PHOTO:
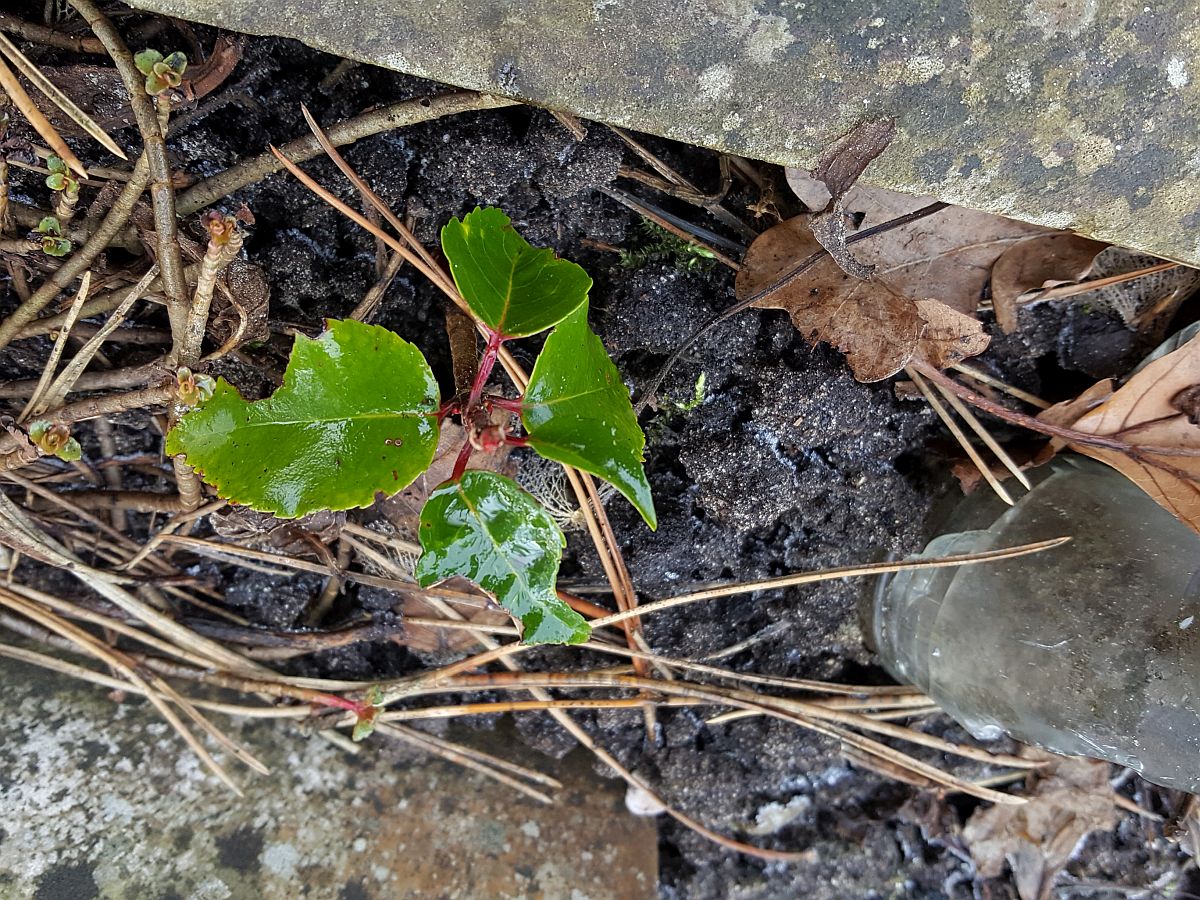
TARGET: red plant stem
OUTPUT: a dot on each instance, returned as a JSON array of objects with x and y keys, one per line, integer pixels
[
  {"x": 460, "y": 464},
  {"x": 512, "y": 405},
  {"x": 490, "y": 353},
  {"x": 486, "y": 362},
  {"x": 341, "y": 703},
  {"x": 513, "y": 440},
  {"x": 1070, "y": 435}
]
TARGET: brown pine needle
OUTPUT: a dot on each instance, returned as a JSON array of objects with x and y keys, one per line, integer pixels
[
  {"x": 984, "y": 469},
  {"x": 35, "y": 404},
  {"x": 61, "y": 100},
  {"x": 984, "y": 435},
  {"x": 985, "y": 378},
  {"x": 749, "y": 587},
  {"x": 455, "y": 754},
  {"x": 11, "y": 86},
  {"x": 112, "y": 658},
  {"x": 1084, "y": 287}
]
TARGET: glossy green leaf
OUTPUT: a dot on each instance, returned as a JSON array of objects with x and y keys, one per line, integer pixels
[
  {"x": 514, "y": 289},
  {"x": 484, "y": 528},
  {"x": 577, "y": 411},
  {"x": 357, "y": 414}
]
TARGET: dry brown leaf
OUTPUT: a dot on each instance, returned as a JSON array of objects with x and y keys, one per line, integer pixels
[
  {"x": 1072, "y": 798},
  {"x": 403, "y": 510},
  {"x": 241, "y": 316},
  {"x": 1039, "y": 262},
  {"x": 1067, "y": 413},
  {"x": 291, "y": 537},
  {"x": 947, "y": 256},
  {"x": 1145, "y": 303},
  {"x": 843, "y": 162},
  {"x": 950, "y": 336},
  {"x": 772, "y": 253},
  {"x": 878, "y": 329},
  {"x": 1144, "y": 414}
]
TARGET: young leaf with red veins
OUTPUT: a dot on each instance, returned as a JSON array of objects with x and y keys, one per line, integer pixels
[
  {"x": 577, "y": 411},
  {"x": 513, "y": 288},
  {"x": 484, "y": 528},
  {"x": 356, "y": 415}
]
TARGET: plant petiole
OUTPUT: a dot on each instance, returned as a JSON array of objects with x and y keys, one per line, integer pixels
[{"x": 512, "y": 405}]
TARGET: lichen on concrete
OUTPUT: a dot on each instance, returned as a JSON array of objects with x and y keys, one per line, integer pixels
[
  {"x": 1078, "y": 114},
  {"x": 102, "y": 799}
]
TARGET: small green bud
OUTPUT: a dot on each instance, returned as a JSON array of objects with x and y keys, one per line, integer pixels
[
  {"x": 194, "y": 388},
  {"x": 55, "y": 440},
  {"x": 161, "y": 73}
]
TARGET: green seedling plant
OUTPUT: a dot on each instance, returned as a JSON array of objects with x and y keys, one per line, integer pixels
[
  {"x": 359, "y": 412},
  {"x": 162, "y": 72},
  {"x": 65, "y": 185},
  {"x": 49, "y": 234}
]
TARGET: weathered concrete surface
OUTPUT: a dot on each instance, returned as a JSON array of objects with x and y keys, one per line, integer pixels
[
  {"x": 1077, "y": 114},
  {"x": 100, "y": 800}
]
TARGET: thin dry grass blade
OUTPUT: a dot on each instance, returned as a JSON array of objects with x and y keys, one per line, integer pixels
[
  {"x": 984, "y": 469},
  {"x": 62, "y": 385},
  {"x": 749, "y": 587},
  {"x": 61, "y": 100},
  {"x": 35, "y": 405},
  {"x": 114, "y": 659},
  {"x": 11, "y": 86}
]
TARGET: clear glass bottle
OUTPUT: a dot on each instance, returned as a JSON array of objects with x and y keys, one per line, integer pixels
[{"x": 1091, "y": 649}]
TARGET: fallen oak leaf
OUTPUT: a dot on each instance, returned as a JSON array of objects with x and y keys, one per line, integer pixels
[
  {"x": 877, "y": 329},
  {"x": 950, "y": 336},
  {"x": 1046, "y": 260},
  {"x": 1163, "y": 455},
  {"x": 1071, "y": 799},
  {"x": 946, "y": 256}
]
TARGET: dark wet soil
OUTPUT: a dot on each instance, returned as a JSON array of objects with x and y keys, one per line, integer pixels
[{"x": 787, "y": 464}]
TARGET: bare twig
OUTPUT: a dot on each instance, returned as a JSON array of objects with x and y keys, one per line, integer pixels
[
  {"x": 162, "y": 192},
  {"x": 51, "y": 37},
  {"x": 79, "y": 261},
  {"x": 397, "y": 115}
]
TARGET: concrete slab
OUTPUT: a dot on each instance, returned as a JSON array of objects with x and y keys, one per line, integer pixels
[
  {"x": 1077, "y": 114},
  {"x": 100, "y": 800}
]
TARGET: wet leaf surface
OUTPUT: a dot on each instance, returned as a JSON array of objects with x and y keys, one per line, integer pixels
[
  {"x": 577, "y": 411},
  {"x": 515, "y": 289},
  {"x": 356, "y": 415},
  {"x": 483, "y": 527}
]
